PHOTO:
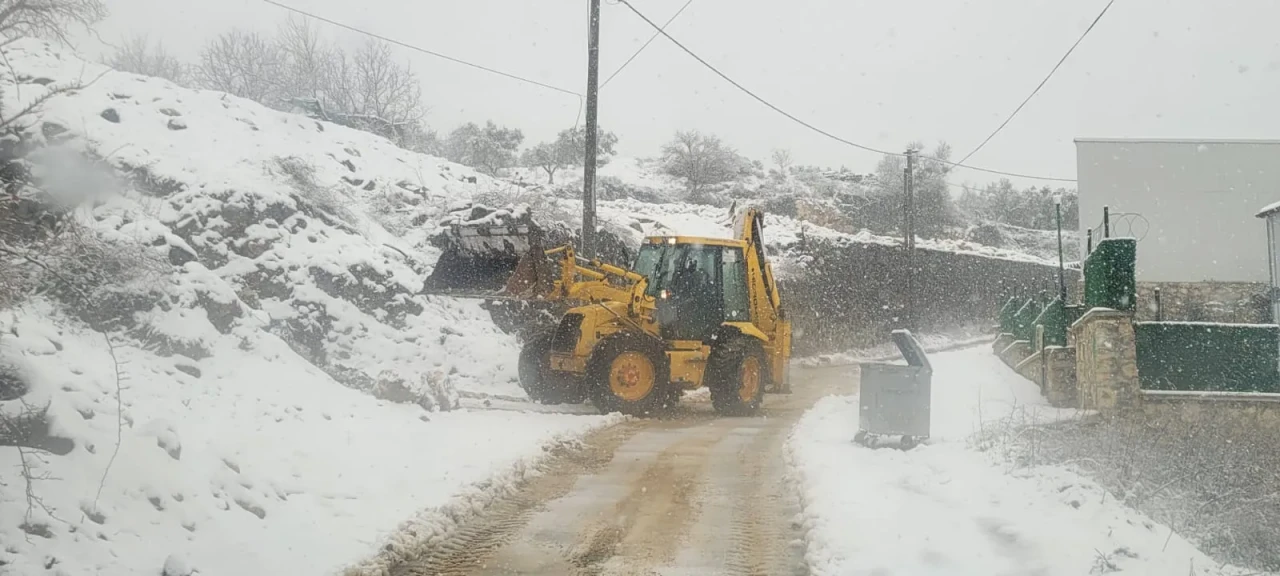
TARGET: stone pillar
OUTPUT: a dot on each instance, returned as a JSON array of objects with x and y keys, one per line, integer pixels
[
  {"x": 1060, "y": 376},
  {"x": 1002, "y": 341},
  {"x": 1106, "y": 360},
  {"x": 1016, "y": 352}
]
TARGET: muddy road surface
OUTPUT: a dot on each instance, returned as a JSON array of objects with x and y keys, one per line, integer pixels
[{"x": 686, "y": 494}]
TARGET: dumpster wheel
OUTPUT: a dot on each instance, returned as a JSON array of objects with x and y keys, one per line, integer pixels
[{"x": 864, "y": 438}]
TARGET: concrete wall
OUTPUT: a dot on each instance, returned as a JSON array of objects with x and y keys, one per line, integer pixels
[{"x": 1199, "y": 196}]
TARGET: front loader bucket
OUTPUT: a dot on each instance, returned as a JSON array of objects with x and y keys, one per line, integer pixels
[{"x": 490, "y": 255}]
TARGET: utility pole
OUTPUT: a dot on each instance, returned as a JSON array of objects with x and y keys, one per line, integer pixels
[
  {"x": 589, "y": 163},
  {"x": 1062, "y": 275},
  {"x": 908, "y": 232}
]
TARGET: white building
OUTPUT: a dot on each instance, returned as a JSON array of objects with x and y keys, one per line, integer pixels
[{"x": 1197, "y": 199}]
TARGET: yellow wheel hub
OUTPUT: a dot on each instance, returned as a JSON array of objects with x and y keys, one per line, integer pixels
[
  {"x": 631, "y": 376},
  {"x": 750, "y": 386}
]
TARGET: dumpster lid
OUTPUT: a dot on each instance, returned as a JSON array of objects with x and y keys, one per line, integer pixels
[{"x": 911, "y": 349}]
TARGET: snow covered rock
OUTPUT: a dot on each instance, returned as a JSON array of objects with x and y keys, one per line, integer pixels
[{"x": 176, "y": 566}]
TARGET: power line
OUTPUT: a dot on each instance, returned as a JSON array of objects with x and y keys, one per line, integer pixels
[
  {"x": 646, "y": 44},
  {"x": 793, "y": 118},
  {"x": 1042, "y": 82},
  {"x": 420, "y": 49}
]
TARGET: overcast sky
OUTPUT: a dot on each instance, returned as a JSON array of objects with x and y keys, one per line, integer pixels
[{"x": 880, "y": 72}]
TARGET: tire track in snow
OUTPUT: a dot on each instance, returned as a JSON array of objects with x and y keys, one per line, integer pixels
[
  {"x": 691, "y": 494},
  {"x": 467, "y": 550}
]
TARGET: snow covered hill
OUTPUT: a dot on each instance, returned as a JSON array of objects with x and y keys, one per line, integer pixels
[
  {"x": 655, "y": 209},
  {"x": 316, "y": 228},
  {"x": 265, "y": 396}
]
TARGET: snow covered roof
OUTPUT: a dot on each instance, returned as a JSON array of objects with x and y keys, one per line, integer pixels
[
  {"x": 1174, "y": 141},
  {"x": 1269, "y": 209}
]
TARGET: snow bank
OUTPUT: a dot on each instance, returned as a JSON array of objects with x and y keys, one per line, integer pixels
[
  {"x": 781, "y": 232},
  {"x": 943, "y": 508},
  {"x": 249, "y": 461}
]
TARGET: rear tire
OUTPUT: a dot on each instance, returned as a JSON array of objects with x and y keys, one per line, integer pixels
[
  {"x": 737, "y": 375},
  {"x": 629, "y": 373},
  {"x": 536, "y": 378}
]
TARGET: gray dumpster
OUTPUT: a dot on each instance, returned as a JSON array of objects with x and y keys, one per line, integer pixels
[{"x": 894, "y": 399}]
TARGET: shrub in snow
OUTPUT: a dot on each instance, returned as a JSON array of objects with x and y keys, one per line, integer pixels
[
  {"x": 614, "y": 188},
  {"x": 432, "y": 391},
  {"x": 985, "y": 233},
  {"x": 323, "y": 198},
  {"x": 12, "y": 385}
]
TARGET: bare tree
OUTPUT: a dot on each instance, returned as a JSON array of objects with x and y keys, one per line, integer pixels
[
  {"x": 307, "y": 62},
  {"x": 21, "y": 18},
  {"x": 138, "y": 56},
  {"x": 700, "y": 160},
  {"x": 782, "y": 159},
  {"x": 244, "y": 64},
  {"x": 382, "y": 89}
]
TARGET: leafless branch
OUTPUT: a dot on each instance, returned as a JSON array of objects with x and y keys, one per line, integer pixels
[
  {"x": 244, "y": 64},
  {"x": 35, "y": 104},
  {"x": 48, "y": 18},
  {"x": 12, "y": 429},
  {"x": 137, "y": 55},
  {"x": 111, "y": 349}
]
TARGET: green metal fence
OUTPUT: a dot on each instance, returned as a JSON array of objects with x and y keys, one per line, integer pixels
[
  {"x": 1007, "y": 313},
  {"x": 1204, "y": 356},
  {"x": 1024, "y": 320},
  {"x": 1055, "y": 322},
  {"x": 1109, "y": 275}
]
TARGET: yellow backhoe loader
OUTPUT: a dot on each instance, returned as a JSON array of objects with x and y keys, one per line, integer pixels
[{"x": 690, "y": 312}]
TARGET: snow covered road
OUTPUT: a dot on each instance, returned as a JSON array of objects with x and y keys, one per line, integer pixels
[
  {"x": 689, "y": 494},
  {"x": 945, "y": 508}
]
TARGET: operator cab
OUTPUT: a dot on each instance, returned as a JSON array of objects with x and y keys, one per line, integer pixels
[{"x": 698, "y": 285}]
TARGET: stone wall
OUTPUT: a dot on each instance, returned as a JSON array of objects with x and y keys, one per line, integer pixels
[
  {"x": 1106, "y": 360},
  {"x": 1231, "y": 302},
  {"x": 1060, "y": 376},
  {"x": 843, "y": 294},
  {"x": 1247, "y": 413}
]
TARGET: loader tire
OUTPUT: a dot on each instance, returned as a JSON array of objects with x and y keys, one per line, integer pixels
[
  {"x": 737, "y": 375},
  {"x": 629, "y": 373},
  {"x": 537, "y": 380}
]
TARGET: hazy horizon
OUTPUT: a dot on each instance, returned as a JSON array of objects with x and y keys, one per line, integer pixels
[{"x": 878, "y": 74}]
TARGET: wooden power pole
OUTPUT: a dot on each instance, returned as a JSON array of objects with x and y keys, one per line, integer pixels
[{"x": 589, "y": 163}]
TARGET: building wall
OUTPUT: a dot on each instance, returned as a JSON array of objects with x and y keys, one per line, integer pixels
[{"x": 1200, "y": 199}]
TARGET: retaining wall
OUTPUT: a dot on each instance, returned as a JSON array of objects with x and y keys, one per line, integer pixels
[
  {"x": 1232, "y": 302},
  {"x": 843, "y": 294}
]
